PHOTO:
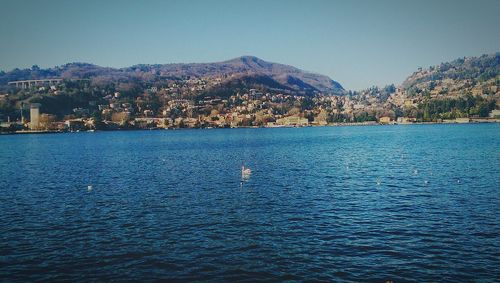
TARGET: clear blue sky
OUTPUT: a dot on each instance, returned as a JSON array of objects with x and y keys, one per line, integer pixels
[{"x": 358, "y": 43}]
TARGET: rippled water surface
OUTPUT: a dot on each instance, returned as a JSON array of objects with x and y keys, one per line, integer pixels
[{"x": 401, "y": 203}]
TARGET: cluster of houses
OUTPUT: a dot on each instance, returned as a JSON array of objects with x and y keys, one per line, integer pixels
[{"x": 179, "y": 105}]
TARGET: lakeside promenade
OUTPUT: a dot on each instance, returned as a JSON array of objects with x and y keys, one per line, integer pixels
[{"x": 373, "y": 123}]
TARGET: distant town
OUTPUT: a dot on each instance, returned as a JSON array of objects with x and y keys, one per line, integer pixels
[
  {"x": 252, "y": 109},
  {"x": 463, "y": 91}
]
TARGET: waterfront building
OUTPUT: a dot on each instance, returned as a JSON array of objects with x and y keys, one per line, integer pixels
[
  {"x": 406, "y": 120},
  {"x": 384, "y": 120},
  {"x": 292, "y": 121},
  {"x": 35, "y": 116},
  {"x": 495, "y": 114},
  {"x": 462, "y": 120},
  {"x": 75, "y": 125}
]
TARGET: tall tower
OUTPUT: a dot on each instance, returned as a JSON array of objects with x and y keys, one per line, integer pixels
[
  {"x": 35, "y": 116},
  {"x": 22, "y": 113}
]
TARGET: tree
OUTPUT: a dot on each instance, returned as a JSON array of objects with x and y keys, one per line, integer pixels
[{"x": 96, "y": 116}]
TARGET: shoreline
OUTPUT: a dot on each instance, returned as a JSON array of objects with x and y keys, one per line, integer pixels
[{"x": 32, "y": 132}]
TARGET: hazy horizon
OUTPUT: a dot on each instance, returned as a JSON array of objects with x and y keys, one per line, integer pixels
[{"x": 357, "y": 43}]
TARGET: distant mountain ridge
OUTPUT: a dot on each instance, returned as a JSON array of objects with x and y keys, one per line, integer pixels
[
  {"x": 248, "y": 70},
  {"x": 251, "y": 89}
]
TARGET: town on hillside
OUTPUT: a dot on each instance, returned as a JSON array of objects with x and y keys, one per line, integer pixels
[
  {"x": 165, "y": 109},
  {"x": 463, "y": 91}
]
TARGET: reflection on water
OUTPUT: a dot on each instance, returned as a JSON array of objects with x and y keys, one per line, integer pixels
[{"x": 343, "y": 203}]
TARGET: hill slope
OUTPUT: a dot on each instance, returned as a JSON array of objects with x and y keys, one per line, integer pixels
[
  {"x": 270, "y": 75},
  {"x": 475, "y": 75}
]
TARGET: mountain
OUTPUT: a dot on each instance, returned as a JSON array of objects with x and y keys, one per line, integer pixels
[
  {"x": 248, "y": 71},
  {"x": 287, "y": 75},
  {"x": 475, "y": 75}
]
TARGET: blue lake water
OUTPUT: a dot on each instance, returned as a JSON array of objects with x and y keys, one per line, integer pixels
[{"x": 401, "y": 203}]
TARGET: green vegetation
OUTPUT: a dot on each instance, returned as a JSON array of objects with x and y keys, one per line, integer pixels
[
  {"x": 469, "y": 106},
  {"x": 479, "y": 69}
]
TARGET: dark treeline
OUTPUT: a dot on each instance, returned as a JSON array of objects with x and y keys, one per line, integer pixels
[{"x": 468, "y": 106}]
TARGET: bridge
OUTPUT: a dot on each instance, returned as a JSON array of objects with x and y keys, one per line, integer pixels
[{"x": 30, "y": 83}]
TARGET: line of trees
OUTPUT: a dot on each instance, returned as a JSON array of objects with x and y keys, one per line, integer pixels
[{"x": 468, "y": 106}]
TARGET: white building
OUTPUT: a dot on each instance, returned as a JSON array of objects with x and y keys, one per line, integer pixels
[{"x": 35, "y": 116}]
